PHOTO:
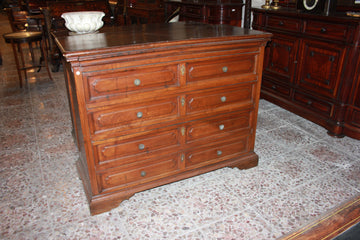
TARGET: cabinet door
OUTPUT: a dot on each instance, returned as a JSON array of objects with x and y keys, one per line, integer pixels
[
  {"x": 280, "y": 58},
  {"x": 320, "y": 67}
]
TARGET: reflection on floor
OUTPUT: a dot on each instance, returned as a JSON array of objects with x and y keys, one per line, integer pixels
[{"x": 302, "y": 174}]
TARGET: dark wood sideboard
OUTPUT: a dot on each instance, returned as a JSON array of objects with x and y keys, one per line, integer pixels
[
  {"x": 312, "y": 67},
  {"x": 211, "y": 11},
  {"x": 156, "y": 103}
]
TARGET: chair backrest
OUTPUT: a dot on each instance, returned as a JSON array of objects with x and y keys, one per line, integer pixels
[{"x": 17, "y": 18}]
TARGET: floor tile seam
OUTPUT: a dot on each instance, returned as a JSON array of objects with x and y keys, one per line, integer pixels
[
  {"x": 340, "y": 148},
  {"x": 270, "y": 226},
  {"x": 39, "y": 159},
  {"x": 336, "y": 174},
  {"x": 293, "y": 188},
  {"x": 201, "y": 227}
]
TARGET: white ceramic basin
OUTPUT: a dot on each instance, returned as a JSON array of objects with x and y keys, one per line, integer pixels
[{"x": 83, "y": 22}]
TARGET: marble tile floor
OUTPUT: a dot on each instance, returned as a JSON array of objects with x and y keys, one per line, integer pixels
[{"x": 302, "y": 174}]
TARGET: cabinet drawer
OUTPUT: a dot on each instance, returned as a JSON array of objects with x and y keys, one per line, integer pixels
[
  {"x": 320, "y": 107},
  {"x": 216, "y": 153},
  {"x": 216, "y": 99},
  {"x": 327, "y": 30},
  {"x": 133, "y": 149},
  {"x": 192, "y": 12},
  {"x": 221, "y": 127},
  {"x": 282, "y": 23},
  {"x": 102, "y": 85},
  {"x": 275, "y": 88},
  {"x": 139, "y": 172},
  {"x": 124, "y": 118},
  {"x": 229, "y": 67}
]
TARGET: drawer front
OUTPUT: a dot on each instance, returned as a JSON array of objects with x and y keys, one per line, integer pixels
[
  {"x": 227, "y": 67},
  {"x": 282, "y": 23},
  {"x": 321, "y": 66},
  {"x": 214, "y": 100},
  {"x": 354, "y": 118},
  {"x": 270, "y": 86},
  {"x": 221, "y": 127},
  {"x": 321, "y": 107},
  {"x": 140, "y": 172},
  {"x": 124, "y": 118},
  {"x": 192, "y": 12},
  {"x": 102, "y": 85},
  {"x": 327, "y": 30},
  {"x": 133, "y": 149},
  {"x": 216, "y": 153}
]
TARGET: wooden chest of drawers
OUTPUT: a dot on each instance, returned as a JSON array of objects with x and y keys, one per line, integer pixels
[{"x": 158, "y": 103}]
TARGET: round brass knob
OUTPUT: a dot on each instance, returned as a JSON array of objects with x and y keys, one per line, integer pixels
[{"x": 137, "y": 82}]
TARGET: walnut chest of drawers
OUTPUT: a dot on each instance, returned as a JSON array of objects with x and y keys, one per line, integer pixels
[{"x": 153, "y": 104}]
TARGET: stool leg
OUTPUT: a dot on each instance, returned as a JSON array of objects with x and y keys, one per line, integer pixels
[
  {"x": 23, "y": 61},
  {"x": 17, "y": 61},
  {"x": 32, "y": 53},
  {"x": 44, "y": 53}
]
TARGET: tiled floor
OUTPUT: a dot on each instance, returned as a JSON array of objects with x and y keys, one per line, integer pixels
[{"x": 302, "y": 174}]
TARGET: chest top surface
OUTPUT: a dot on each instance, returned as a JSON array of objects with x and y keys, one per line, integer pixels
[{"x": 162, "y": 35}]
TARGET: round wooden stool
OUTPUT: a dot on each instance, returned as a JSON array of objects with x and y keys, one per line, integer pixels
[{"x": 16, "y": 39}]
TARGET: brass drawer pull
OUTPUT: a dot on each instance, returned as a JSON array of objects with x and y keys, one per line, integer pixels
[
  {"x": 223, "y": 99},
  {"x": 137, "y": 82},
  {"x": 221, "y": 126},
  {"x": 219, "y": 152},
  {"x": 225, "y": 69},
  {"x": 143, "y": 173},
  {"x": 139, "y": 114},
  {"x": 141, "y": 146}
]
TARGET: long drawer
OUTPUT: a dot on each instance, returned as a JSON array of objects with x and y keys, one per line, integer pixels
[
  {"x": 100, "y": 86},
  {"x": 141, "y": 171},
  {"x": 225, "y": 67},
  {"x": 218, "y": 128},
  {"x": 219, "y": 99},
  {"x": 119, "y": 118},
  {"x": 217, "y": 152},
  {"x": 133, "y": 149}
]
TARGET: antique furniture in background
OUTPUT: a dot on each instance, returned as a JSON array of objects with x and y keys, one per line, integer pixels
[
  {"x": 17, "y": 39},
  {"x": 144, "y": 11},
  {"x": 311, "y": 67},
  {"x": 156, "y": 103},
  {"x": 211, "y": 11},
  {"x": 54, "y": 21}
]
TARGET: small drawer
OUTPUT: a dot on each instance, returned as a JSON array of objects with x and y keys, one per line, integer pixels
[
  {"x": 193, "y": 11},
  {"x": 354, "y": 118},
  {"x": 133, "y": 149},
  {"x": 221, "y": 127},
  {"x": 226, "y": 67},
  {"x": 127, "y": 117},
  {"x": 288, "y": 24},
  {"x": 230, "y": 98},
  {"x": 140, "y": 172},
  {"x": 275, "y": 88},
  {"x": 102, "y": 85},
  {"x": 321, "y": 107},
  {"x": 216, "y": 153},
  {"x": 327, "y": 30}
]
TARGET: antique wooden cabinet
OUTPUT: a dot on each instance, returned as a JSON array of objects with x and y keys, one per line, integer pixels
[
  {"x": 152, "y": 104},
  {"x": 211, "y": 11},
  {"x": 310, "y": 67}
]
